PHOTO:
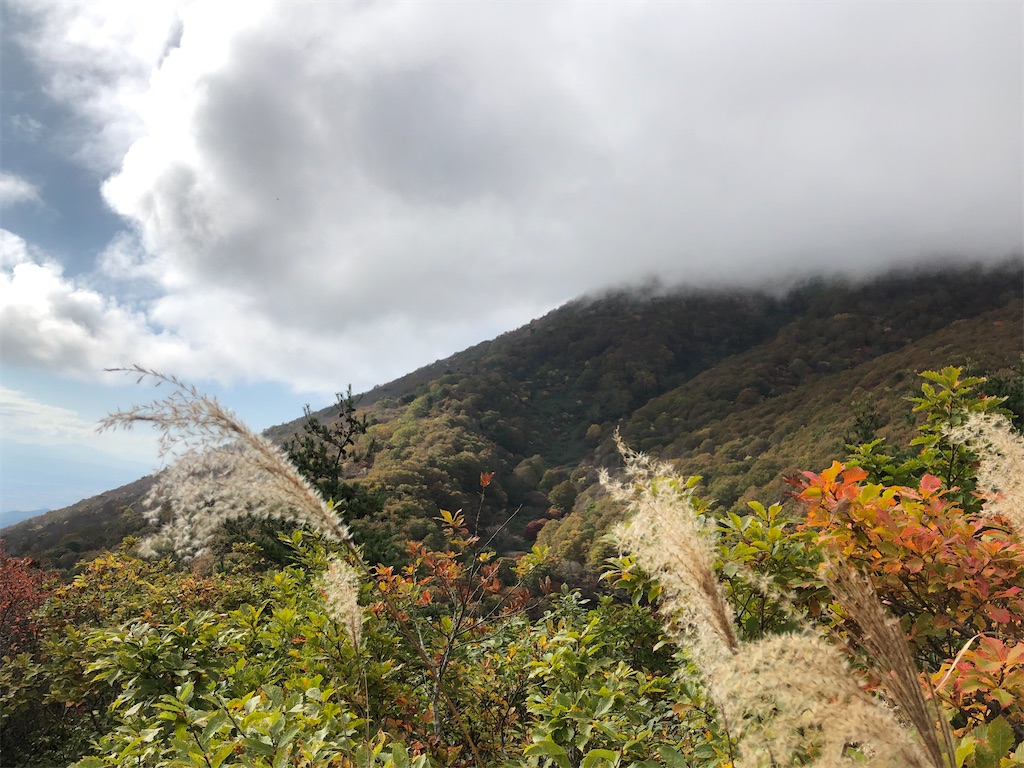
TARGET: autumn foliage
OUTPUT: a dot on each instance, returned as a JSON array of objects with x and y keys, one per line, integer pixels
[
  {"x": 955, "y": 581},
  {"x": 466, "y": 657},
  {"x": 23, "y": 588}
]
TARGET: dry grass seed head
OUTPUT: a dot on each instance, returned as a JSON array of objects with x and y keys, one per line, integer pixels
[
  {"x": 1001, "y": 472},
  {"x": 340, "y": 584},
  {"x": 889, "y": 657},
  {"x": 793, "y": 696},
  {"x": 676, "y": 547},
  {"x": 225, "y": 471},
  {"x": 795, "y": 701}
]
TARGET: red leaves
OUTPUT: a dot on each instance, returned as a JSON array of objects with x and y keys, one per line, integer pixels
[
  {"x": 533, "y": 528},
  {"x": 987, "y": 679},
  {"x": 22, "y": 590},
  {"x": 951, "y": 577},
  {"x": 998, "y": 615},
  {"x": 930, "y": 484}
]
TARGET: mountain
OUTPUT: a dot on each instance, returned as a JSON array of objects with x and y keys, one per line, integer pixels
[
  {"x": 62, "y": 537},
  {"x": 740, "y": 387}
]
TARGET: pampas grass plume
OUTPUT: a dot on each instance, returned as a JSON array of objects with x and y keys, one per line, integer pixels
[
  {"x": 788, "y": 699},
  {"x": 223, "y": 470}
]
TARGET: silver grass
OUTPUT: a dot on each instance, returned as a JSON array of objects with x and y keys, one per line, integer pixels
[
  {"x": 227, "y": 471},
  {"x": 789, "y": 699},
  {"x": 677, "y": 548},
  {"x": 1001, "y": 472},
  {"x": 223, "y": 471},
  {"x": 793, "y": 700},
  {"x": 340, "y": 585},
  {"x": 889, "y": 657}
]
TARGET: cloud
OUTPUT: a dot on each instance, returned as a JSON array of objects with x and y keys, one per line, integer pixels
[
  {"x": 30, "y": 421},
  {"x": 27, "y": 127},
  {"x": 97, "y": 57},
  {"x": 52, "y": 322},
  {"x": 14, "y": 190},
  {"x": 333, "y": 192}
]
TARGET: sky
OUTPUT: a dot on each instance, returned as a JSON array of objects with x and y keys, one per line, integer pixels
[{"x": 274, "y": 203}]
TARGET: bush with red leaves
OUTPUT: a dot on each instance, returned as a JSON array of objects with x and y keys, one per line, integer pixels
[{"x": 23, "y": 587}]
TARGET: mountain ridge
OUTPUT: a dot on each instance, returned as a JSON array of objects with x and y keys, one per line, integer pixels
[{"x": 681, "y": 373}]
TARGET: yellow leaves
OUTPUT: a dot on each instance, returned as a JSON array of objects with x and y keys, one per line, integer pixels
[
  {"x": 446, "y": 517},
  {"x": 830, "y": 474}
]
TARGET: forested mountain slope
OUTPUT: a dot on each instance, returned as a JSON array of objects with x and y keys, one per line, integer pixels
[
  {"x": 744, "y": 449},
  {"x": 740, "y": 387}
]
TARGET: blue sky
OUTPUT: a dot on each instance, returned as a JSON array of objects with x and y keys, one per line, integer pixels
[{"x": 276, "y": 203}]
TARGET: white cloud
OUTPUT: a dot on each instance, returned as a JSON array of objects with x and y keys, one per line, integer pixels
[
  {"x": 330, "y": 192},
  {"x": 13, "y": 250},
  {"x": 99, "y": 56},
  {"x": 53, "y": 322},
  {"x": 14, "y": 189},
  {"x": 28, "y": 421}
]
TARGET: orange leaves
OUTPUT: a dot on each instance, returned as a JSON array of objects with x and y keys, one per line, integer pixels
[
  {"x": 950, "y": 576},
  {"x": 454, "y": 523},
  {"x": 998, "y": 614},
  {"x": 947, "y": 574}
]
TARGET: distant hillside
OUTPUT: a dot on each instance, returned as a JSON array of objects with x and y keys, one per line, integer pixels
[
  {"x": 740, "y": 387},
  {"x": 745, "y": 449},
  {"x": 62, "y": 537}
]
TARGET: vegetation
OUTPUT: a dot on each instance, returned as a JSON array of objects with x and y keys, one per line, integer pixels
[
  {"x": 877, "y": 619},
  {"x": 741, "y": 388}
]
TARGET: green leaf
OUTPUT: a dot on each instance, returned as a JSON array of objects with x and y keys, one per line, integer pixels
[
  {"x": 184, "y": 692},
  {"x": 289, "y": 735},
  {"x": 216, "y": 721},
  {"x": 260, "y": 747},
  {"x": 965, "y": 750},
  {"x": 604, "y": 706},
  {"x": 672, "y": 758},
  {"x": 548, "y": 748},
  {"x": 221, "y": 755},
  {"x": 399, "y": 755},
  {"x": 594, "y": 756},
  {"x": 281, "y": 757},
  {"x": 1000, "y": 736}
]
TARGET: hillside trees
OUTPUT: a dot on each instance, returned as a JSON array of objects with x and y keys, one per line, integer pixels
[
  {"x": 324, "y": 453},
  {"x": 721, "y": 638},
  {"x": 806, "y": 355}
]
